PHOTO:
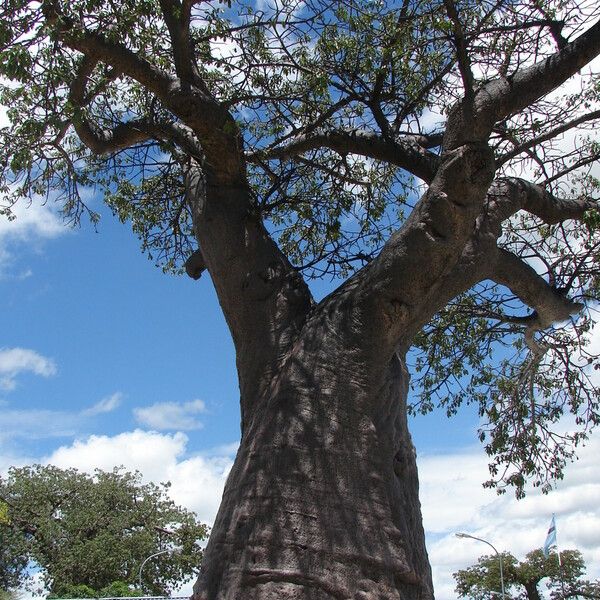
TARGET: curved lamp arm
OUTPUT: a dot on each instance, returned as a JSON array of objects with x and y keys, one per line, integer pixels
[{"x": 466, "y": 535}]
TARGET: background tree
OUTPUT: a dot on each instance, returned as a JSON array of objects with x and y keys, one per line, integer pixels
[
  {"x": 522, "y": 578},
  {"x": 9, "y": 595},
  {"x": 416, "y": 149},
  {"x": 90, "y": 534},
  {"x": 12, "y": 565},
  {"x": 117, "y": 589}
]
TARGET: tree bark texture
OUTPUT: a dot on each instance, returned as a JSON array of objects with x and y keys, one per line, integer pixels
[{"x": 322, "y": 501}]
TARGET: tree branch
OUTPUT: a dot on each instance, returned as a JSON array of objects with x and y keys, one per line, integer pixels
[
  {"x": 505, "y": 96},
  {"x": 405, "y": 153},
  {"x": 95, "y": 46},
  {"x": 549, "y": 208},
  {"x": 509, "y": 195},
  {"x": 550, "y": 305},
  {"x": 123, "y": 135},
  {"x": 462, "y": 54},
  {"x": 177, "y": 17},
  {"x": 547, "y": 136}
]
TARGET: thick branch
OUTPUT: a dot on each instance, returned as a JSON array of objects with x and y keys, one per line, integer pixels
[
  {"x": 505, "y": 96},
  {"x": 405, "y": 153},
  {"x": 509, "y": 195},
  {"x": 550, "y": 305},
  {"x": 123, "y": 135},
  {"x": 549, "y": 208},
  {"x": 177, "y": 18},
  {"x": 264, "y": 299}
]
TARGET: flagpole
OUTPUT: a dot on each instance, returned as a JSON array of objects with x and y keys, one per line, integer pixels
[{"x": 560, "y": 568}]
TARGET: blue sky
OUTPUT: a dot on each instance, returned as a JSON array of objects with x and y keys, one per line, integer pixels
[
  {"x": 105, "y": 360},
  {"x": 123, "y": 337},
  {"x": 112, "y": 323}
]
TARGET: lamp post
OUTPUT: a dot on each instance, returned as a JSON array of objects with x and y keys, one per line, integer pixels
[
  {"x": 466, "y": 535},
  {"x": 175, "y": 548}
]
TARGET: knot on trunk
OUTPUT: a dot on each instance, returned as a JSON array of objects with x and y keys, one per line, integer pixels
[{"x": 195, "y": 264}]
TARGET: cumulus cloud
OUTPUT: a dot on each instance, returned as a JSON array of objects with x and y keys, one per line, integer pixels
[
  {"x": 196, "y": 481},
  {"x": 14, "y": 361},
  {"x": 174, "y": 416}
]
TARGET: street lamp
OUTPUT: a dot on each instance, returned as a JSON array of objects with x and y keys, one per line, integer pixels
[
  {"x": 466, "y": 535},
  {"x": 173, "y": 549}
]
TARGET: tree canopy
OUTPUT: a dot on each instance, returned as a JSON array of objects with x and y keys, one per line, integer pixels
[
  {"x": 522, "y": 579},
  {"x": 90, "y": 534},
  {"x": 436, "y": 155},
  {"x": 339, "y": 112}
]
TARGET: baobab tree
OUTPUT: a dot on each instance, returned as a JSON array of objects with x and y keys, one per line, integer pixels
[
  {"x": 522, "y": 579},
  {"x": 433, "y": 155}
]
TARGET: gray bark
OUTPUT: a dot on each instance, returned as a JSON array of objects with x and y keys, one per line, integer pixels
[{"x": 322, "y": 501}]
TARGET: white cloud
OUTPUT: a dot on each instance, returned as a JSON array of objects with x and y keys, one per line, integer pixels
[
  {"x": 453, "y": 500},
  {"x": 196, "y": 482},
  {"x": 38, "y": 218},
  {"x": 14, "y": 361},
  {"x": 105, "y": 405},
  {"x": 33, "y": 223},
  {"x": 174, "y": 416}
]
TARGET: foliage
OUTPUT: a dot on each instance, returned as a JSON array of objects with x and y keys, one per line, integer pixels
[
  {"x": 117, "y": 589},
  {"x": 341, "y": 108},
  {"x": 93, "y": 532},
  {"x": 522, "y": 578}
]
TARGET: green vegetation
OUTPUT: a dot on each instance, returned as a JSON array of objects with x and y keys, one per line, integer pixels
[
  {"x": 522, "y": 579},
  {"x": 90, "y": 534}
]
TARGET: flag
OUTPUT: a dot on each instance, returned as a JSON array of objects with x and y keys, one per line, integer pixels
[{"x": 550, "y": 538}]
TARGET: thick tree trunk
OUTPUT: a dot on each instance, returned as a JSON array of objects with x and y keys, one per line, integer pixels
[
  {"x": 322, "y": 501},
  {"x": 531, "y": 590}
]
